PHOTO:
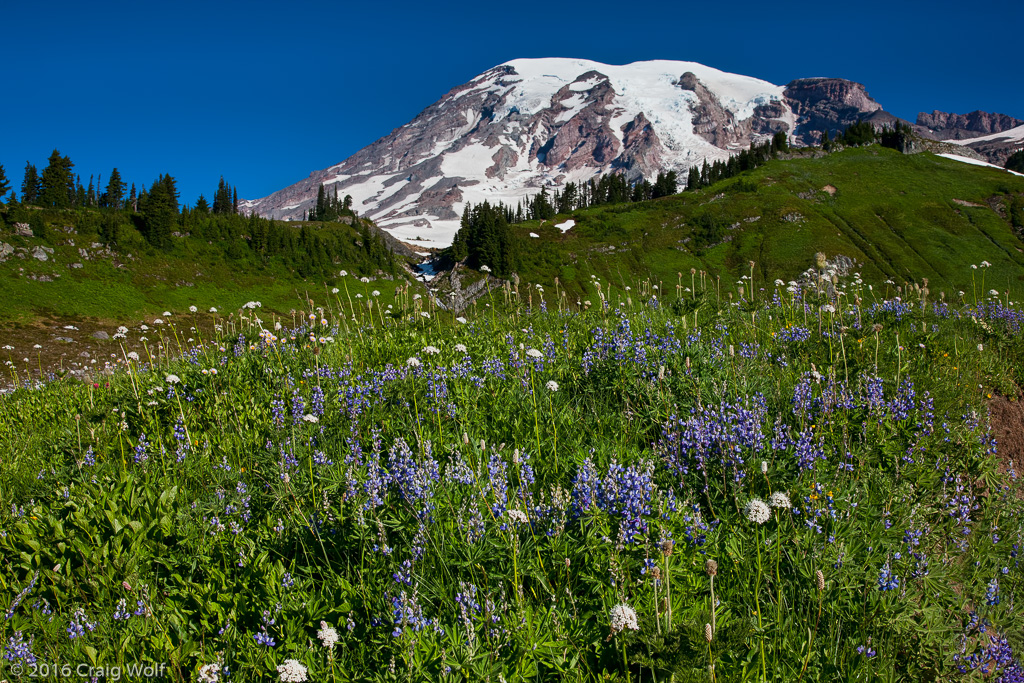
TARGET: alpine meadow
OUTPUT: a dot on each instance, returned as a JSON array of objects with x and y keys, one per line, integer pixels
[{"x": 642, "y": 373}]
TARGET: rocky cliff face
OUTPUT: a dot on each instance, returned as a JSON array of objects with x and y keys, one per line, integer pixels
[
  {"x": 992, "y": 137},
  {"x": 829, "y": 104},
  {"x": 964, "y": 126}
]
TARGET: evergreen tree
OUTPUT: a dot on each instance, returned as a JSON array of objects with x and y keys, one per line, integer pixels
[
  {"x": 780, "y": 143},
  {"x": 5, "y": 184},
  {"x": 693, "y": 179},
  {"x": 665, "y": 185},
  {"x": 319, "y": 213},
  {"x": 1015, "y": 162},
  {"x": 540, "y": 207},
  {"x": 114, "y": 195},
  {"x": 91, "y": 194},
  {"x": 160, "y": 211},
  {"x": 57, "y": 184},
  {"x": 202, "y": 207},
  {"x": 485, "y": 239},
  {"x": 860, "y": 133},
  {"x": 80, "y": 196},
  {"x": 234, "y": 199},
  {"x": 133, "y": 199},
  {"x": 30, "y": 185},
  {"x": 222, "y": 198}
]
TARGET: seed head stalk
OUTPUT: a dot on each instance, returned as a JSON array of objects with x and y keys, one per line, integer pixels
[
  {"x": 536, "y": 416},
  {"x": 757, "y": 603}
]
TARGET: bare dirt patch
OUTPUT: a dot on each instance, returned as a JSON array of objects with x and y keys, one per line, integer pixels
[
  {"x": 87, "y": 349},
  {"x": 1006, "y": 417}
]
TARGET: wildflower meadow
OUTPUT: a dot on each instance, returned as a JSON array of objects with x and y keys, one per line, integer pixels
[{"x": 663, "y": 481}]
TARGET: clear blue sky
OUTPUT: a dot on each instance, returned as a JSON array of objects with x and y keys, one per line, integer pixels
[{"x": 264, "y": 93}]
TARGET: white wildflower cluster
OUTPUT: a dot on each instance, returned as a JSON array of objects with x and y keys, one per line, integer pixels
[
  {"x": 253, "y": 305},
  {"x": 431, "y": 350},
  {"x": 132, "y": 355},
  {"x": 213, "y": 309},
  {"x": 193, "y": 309},
  {"x": 461, "y": 348},
  {"x": 328, "y": 635},
  {"x": 310, "y": 418},
  {"x": 461, "y": 320},
  {"x": 757, "y": 511},
  {"x": 413, "y": 362},
  {"x": 623, "y": 617},
  {"x": 364, "y": 280},
  {"x": 518, "y": 516},
  {"x": 780, "y": 500},
  {"x": 551, "y": 385},
  {"x": 172, "y": 379},
  {"x": 485, "y": 269},
  {"x": 534, "y": 353},
  {"x": 292, "y": 671},
  {"x": 209, "y": 673},
  {"x": 343, "y": 273}
]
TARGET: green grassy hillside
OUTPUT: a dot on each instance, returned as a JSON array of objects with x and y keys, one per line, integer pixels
[
  {"x": 134, "y": 279},
  {"x": 905, "y": 218}
]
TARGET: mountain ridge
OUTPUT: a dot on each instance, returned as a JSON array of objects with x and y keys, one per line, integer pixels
[{"x": 533, "y": 123}]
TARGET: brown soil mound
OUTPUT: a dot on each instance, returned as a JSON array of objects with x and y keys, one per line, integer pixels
[{"x": 1006, "y": 417}]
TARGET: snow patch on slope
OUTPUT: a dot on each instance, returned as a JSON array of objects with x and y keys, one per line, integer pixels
[
  {"x": 975, "y": 162},
  {"x": 1014, "y": 134}
]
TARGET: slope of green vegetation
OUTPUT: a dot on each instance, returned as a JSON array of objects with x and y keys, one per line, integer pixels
[
  {"x": 214, "y": 261},
  {"x": 905, "y": 218}
]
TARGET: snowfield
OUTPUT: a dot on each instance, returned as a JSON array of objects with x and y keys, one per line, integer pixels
[{"x": 649, "y": 88}]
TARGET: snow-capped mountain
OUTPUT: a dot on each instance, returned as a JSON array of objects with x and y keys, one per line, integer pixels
[{"x": 531, "y": 123}]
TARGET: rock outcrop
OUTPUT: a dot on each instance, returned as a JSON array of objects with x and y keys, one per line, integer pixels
[
  {"x": 946, "y": 126},
  {"x": 829, "y": 104}
]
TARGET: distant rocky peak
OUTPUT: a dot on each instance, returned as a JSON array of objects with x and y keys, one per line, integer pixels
[{"x": 948, "y": 126}]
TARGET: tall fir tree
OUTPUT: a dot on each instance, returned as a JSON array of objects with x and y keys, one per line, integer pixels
[
  {"x": 57, "y": 183},
  {"x": 222, "y": 202},
  {"x": 114, "y": 195},
  {"x": 5, "y": 184},
  {"x": 202, "y": 206},
  {"x": 30, "y": 184},
  {"x": 160, "y": 211}
]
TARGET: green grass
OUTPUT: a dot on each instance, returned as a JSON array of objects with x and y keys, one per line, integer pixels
[
  {"x": 892, "y": 213},
  {"x": 192, "y": 273}
]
